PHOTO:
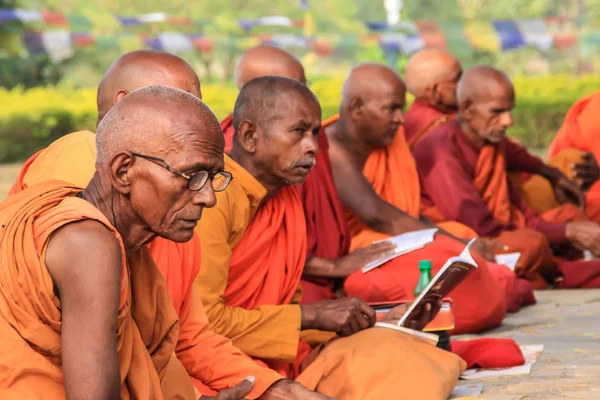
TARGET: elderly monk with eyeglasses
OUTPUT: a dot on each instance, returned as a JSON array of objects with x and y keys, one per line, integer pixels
[{"x": 211, "y": 361}]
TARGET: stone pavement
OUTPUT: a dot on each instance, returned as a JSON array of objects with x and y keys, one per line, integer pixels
[{"x": 567, "y": 323}]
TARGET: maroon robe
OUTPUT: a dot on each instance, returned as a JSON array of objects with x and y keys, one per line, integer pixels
[{"x": 447, "y": 162}]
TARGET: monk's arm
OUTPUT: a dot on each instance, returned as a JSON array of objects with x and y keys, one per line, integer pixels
[
  {"x": 518, "y": 159},
  {"x": 211, "y": 358},
  {"x": 357, "y": 194},
  {"x": 271, "y": 331},
  {"x": 451, "y": 189},
  {"x": 84, "y": 261}
]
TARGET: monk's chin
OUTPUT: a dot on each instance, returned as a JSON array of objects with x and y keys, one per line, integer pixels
[{"x": 180, "y": 236}]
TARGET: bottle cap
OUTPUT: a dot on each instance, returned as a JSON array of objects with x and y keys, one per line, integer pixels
[{"x": 425, "y": 265}]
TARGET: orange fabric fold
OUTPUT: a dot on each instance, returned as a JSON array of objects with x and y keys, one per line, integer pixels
[
  {"x": 266, "y": 266},
  {"x": 30, "y": 319},
  {"x": 421, "y": 119},
  {"x": 491, "y": 181}
]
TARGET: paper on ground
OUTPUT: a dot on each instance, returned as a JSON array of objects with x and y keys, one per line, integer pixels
[
  {"x": 509, "y": 259},
  {"x": 472, "y": 390},
  {"x": 530, "y": 353},
  {"x": 405, "y": 243}
]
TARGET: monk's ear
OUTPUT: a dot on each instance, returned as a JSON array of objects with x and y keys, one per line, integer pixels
[
  {"x": 466, "y": 109},
  {"x": 119, "y": 168},
  {"x": 119, "y": 95},
  {"x": 356, "y": 106},
  {"x": 247, "y": 135}
]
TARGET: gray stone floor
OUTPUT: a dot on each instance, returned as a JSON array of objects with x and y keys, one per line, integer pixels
[{"x": 567, "y": 323}]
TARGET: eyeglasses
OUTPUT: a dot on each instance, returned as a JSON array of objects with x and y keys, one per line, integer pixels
[{"x": 196, "y": 181}]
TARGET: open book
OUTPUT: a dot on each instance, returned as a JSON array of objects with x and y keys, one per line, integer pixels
[
  {"x": 405, "y": 243},
  {"x": 447, "y": 279},
  {"x": 509, "y": 259},
  {"x": 443, "y": 321}
]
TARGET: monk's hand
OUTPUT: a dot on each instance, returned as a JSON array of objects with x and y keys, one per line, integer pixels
[
  {"x": 425, "y": 315},
  {"x": 345, "y": 316},
  {"x": 238, "y": 392},
  {"x": 286, "y": 389},
  {"x": 485, "y": 248},
  {"x": 587, "y": 172},
  {"x": 565, "y": 189},
  {"x": 585, "y": 235},
  {"x": 359, "y": 258}
]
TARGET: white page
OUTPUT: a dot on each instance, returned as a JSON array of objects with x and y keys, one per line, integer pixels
[
  {"x": 405, "y": 243},
  {"x": 509, "y": 259},
  {"x": 473, "y": 390}
]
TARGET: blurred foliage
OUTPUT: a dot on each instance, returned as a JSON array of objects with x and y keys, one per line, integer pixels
[{"x": 31, "y": 119}]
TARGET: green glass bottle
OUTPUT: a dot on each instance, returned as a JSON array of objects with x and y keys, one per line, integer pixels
[{"x": 424, "y": 277}]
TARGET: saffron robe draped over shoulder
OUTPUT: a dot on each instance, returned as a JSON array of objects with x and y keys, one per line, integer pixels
[
  {"x": 252, "y": 264},
  {"x": 210, "y": 359},
  {"x": 326, "y": 228},
  {"x": 480, "y": 302},
  {"x": 484, "y": 198},
  {"x": 30, "y": 316}
]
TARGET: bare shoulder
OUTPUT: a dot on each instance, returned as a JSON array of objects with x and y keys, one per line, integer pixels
[{"x": 84, "y": 250}]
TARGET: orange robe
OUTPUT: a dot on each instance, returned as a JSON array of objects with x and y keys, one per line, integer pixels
[
  {"x": 421, "y": 118},
  {"x": 480, "y": 302},
  {"x": 579, "y": 133},
  {"x": 253, "y": 255},
  {"x": 484, "y": 199},
  {"x": 211, "y": 360},
  {"x": 30, "y": 316}
]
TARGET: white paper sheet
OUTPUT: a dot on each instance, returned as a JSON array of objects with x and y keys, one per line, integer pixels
[
  {"x": 530, "y": 353},
  {"x": 472, "y": 390},
  {"x": 405, "y": 243},
  {"x": 509, "y": 259}
]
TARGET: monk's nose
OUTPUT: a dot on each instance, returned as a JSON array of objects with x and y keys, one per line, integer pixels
[
  {"x": 399, "y": 117},
  {"x": 205, "y": 196},
  {"x": 312, "y": 144},
  {"x": 507, "y": 120}
]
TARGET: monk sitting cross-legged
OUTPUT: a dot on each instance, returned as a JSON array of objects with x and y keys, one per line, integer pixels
[
  {"x": 254, "y": 250},
  {"x": 463, "y": 171},
  {"x": 431, "y": 76},
  {"x": 212, "y": 362}
]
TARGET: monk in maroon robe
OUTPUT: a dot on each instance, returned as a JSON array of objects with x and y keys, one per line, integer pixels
[{"x": 463, "y": 173}]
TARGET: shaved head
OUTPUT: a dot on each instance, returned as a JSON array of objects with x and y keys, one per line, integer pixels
[
  {"x": 373, "y": 96},
  {"x": 482, "y": 82},
  {"x": 486, "y": 97},
  {"x": 142, "y": 68},
  {"x": 267, "y": 99},
  {"x": 432, "y": 75},
  {"x": 267, "y": 60},
  {"x": 155, "y": 120}
]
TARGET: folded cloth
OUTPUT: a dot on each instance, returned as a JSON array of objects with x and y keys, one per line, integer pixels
[
  {"x": 489, "y": 353},
  {"x": 523, "y": 295}
]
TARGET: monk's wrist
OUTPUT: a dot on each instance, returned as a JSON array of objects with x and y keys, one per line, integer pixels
[{"x": 309, "y": 316}]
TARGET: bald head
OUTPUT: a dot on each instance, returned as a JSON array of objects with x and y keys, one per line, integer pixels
[
  {"x": 486, "y": 97},
  {"x": 143, "y": 68},
  {"x": 267, "y": 99},
  {"x": 373, "y": 96},
  {"x": 267, "y": 60},
  {"x": 156, "y": 120},
  {"x": 432, "y": 75}
]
